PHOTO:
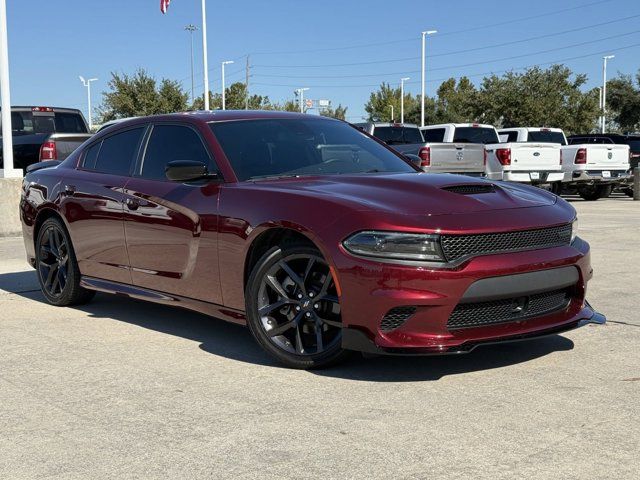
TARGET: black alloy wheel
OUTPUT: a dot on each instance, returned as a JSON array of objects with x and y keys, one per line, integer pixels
[
  {"x": 56, "y": 265},
  {"x": 293, "y": 307}
]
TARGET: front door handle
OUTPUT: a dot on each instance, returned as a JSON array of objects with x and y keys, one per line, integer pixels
[{"x": 132, "y": 203}]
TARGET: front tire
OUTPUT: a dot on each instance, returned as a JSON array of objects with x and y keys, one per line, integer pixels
[
  {"x": 293, "y": 309},
  {"x": 594, "y": 192},
  {"x": 57, "y": 267}
]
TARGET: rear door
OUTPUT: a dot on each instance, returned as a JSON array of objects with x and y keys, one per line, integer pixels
[
  {"x": 93, "y": 204},
  {"x": 172, "y": 228}
]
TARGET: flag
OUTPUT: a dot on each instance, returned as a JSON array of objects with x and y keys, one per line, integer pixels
[{"x": 164, "y": 5}]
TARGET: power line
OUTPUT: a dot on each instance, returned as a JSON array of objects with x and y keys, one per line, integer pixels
[
  {"x": 553, "y": 62},
  {"x": 412, "y": 39}
]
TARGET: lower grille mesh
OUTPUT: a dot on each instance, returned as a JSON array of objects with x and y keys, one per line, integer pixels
[
  {"x": 396, "y": 317},
  {"x": 467, "y": 315}
]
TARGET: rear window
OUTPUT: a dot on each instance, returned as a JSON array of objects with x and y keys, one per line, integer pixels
[
  {"x": 509, "y": 136},
  {"x": 433, "y": 135},
  {"x": 546, "y": 136},
  {"x": 27, "y": 123},
  {"x": 634, "y": 145},
  {"x": 398, "y": 135},
  {"x": 115, "y": 154},
  {"x": 594, "y": 140},
  {"x": 475, "y": 135}
]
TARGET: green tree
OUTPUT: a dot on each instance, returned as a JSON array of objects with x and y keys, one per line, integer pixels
[
  {"x": 623, "y": 102},
  {"x": 139, "y": 94},
  {"x": 538, "y": 97},
  {"x": 379, "y": 106},
  {"x": 339, "y": 112},
  {"x": 235, "y": 99},
  {"x": 457, "y": 101}
]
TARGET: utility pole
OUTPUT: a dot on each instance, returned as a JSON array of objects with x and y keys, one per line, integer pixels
[
  {"x": 424, "y": 48},
  {"x": 224, "y": 102},
  {"x": 391, "y": 107},
  {"x": 205, "y": 61},
  {"x": 402, "y": 80},
  {"x": 7, "y": 170},
  {"x": 604, "y": 90},
  {"x": 87, "y": 84},
  {"x": 300, "y": 92},
  {"x": 191, "y": 28},
  {"x": 246, "y": 85}
]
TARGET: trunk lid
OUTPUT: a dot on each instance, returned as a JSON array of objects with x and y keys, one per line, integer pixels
[{"x": 534, "y": 157}]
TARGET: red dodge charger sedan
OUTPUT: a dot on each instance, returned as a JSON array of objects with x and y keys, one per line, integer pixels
[{"x": 317, "y": 236}]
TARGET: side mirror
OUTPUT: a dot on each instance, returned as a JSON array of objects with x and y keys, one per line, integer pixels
[
  {"x": 415, "y": 159},
  {"x": 187, "y": 171}
]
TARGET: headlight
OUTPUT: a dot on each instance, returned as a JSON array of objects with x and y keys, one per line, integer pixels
[
  {"x": 574, "y": 229},
  {"x": 396, "y": 245}
]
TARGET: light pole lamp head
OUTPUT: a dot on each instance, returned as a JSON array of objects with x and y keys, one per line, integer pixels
[
  {"x": 429, "y": 32},
  {"x": 92, "y": 80},
  {"x": 608, "y": 57},
  {"x": 227, "y": 62},
  {"x": 404, "y": 79},
  {"x": 82, "y": 79}
]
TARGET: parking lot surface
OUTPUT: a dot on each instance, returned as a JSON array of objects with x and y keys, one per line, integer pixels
[{"x": 124, "y": 389}]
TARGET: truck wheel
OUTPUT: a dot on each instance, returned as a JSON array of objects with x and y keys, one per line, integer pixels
[
  {"x": 628, "y": 192},
  {"x": 556, "y": 188},
  {"x": 594, "y": 192}
]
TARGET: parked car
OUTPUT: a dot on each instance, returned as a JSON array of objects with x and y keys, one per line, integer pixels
[
  {"x": 525, "y": 155},
  {"x": 45, "y": 133},
  {"x": 318, "y": 237},
  {"x": 626, "y": 184}
]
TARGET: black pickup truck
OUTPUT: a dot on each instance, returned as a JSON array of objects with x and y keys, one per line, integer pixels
[{"x": 45, "y": 133}]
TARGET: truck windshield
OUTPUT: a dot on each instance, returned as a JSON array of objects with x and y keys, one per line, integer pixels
[
  {"x": 398, "y": 135},
  {"x": 546, "y": 136},
  {"x": 271, "y": 148},
  {"x": 28, "y": 123},
  {"x": 475, "y": 135}
]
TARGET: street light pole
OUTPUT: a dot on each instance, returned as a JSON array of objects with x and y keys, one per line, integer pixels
[
  {"x": 191, "y": 28},
  {"x": 402, "y": 80},
  {"x": 205, "y": 62},
  {"x": 224, "y": 102},
  {"x": 424, "y": 35},
  {"x": 7, "y": 169},
  {"x": 604, "y": 90},
  {"x": 87, "y": 84},
  {"x": 300, "y": 92},
  {"x": 391, "y": 106}
]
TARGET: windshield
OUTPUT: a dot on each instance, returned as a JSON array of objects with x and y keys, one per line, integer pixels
[
  {"x": 292, "y": 147},
  {"x": 475, "y": 135},
  {"x": 546, "y": 136},
  {"x": 395, "y": 135}
]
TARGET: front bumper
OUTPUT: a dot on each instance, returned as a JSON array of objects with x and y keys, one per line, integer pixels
[{"x": 370, "y": 290}]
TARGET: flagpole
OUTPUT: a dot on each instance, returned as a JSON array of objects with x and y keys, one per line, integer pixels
[
  {"x": 204, "y": 55},
  {"x": 7, "y": 140}
]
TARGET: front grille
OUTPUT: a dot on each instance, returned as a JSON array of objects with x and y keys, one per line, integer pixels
[
  {"x": 396, "y": 317},
  {"x": 456, "y": 247},
  {"x": 470, "y": 189},
  {"x": 467, "y": 315}
]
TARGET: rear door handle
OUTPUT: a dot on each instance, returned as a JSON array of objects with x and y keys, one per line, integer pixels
[{"x": 69, "y": 189}]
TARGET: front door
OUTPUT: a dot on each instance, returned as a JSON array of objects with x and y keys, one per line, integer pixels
[{"x": 171, "y": 228}]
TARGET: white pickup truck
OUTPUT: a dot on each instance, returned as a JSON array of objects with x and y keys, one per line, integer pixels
[
  {"x": 536, "y": 163},
  {"x": 590, "y": 170},
  {"x": 440, "y": 152}
]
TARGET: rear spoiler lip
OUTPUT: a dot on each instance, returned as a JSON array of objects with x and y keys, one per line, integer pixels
[{"x": 40, "y": 165}]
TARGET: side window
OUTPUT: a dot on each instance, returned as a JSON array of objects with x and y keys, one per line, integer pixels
[
  {"x": 91, "y": 156},
  {"x": 117, "y": 152},
  {"x": 433, "y": 135},
  {"x": 512, "y": 136},
  {"x": 168, "y": 143}
]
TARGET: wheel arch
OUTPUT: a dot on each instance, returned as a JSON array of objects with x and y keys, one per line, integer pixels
[{"x": 43, "y": 215}]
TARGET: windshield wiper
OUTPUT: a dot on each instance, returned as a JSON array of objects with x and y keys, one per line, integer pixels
[{"x": 275, "y": 177}]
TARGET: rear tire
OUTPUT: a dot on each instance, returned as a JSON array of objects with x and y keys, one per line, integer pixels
[
  {"x": 293, "y": 310},
  {"x": 594, "y": 192},
  {"x": 556, "y": 188},
  {"x": 628, "y": 192},
  {"x": 57, "y": 267}
]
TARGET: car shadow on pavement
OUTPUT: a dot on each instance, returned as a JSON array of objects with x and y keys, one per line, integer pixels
[{"x": 234, "y": 342}]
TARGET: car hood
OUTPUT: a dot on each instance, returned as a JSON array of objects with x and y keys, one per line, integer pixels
[{"x": 416, "y": 193}]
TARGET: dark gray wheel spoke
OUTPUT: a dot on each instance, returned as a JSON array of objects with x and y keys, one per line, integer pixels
[
  {"x": 307, "y": 271},
  {"x": 50, "y": 276},
  {"x": 326, "y": 284},
  {"x": 299, "y": 344},
  {"x": 56, "y": 281},
  {"x": 280, "y": 329},
  {"x": 319, "y": 343},
  {"x": 275, "y": 284},
  {"x": 293, "y": 276},
  {"x": 330, "y": 298},
  {"x": 333, "y": 323},
  {"x": 274, "y": 306}
]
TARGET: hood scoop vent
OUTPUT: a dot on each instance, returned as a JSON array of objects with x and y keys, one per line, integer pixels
[{"x": 471, "y": 189}]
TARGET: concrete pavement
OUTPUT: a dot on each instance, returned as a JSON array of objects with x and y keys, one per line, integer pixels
[{"x": 123, "y": 389}]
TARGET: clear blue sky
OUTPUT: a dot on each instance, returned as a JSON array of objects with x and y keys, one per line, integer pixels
[{"x": 51, "y": 43}]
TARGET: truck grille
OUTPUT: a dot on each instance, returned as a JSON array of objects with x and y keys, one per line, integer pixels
[
  {"x": 456, "y": 247},
  {"x": 467, "y": 315},
  {"x": 396, "y": 317}
]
